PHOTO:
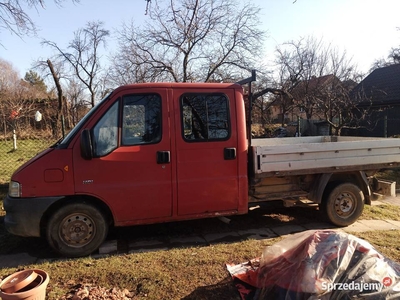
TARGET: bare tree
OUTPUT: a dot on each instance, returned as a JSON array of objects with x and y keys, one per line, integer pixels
[
  {"x": 18, "y": 99},
  {"x": 264, "y": 97},
  {"x": 8, "y": 76},
  {"x": 8, "y": 84},
  {"x": 70, "y": 94},
  {"x": 319, "y": 80},
  {"x": 392, "y": 59},
  {"x": 334, "y": 97},
  {"x": 299, "y": 62},
  {"x": 61, "y": 105},
  {"x": 54, "y": 69},
  {"x": 190, "y": 40},
  {"x": 83, "y": 56},
  {"x": 14, "y": 18},
  {"x": 76, "y": 97}
]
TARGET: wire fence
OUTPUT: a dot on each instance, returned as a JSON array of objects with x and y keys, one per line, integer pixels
[
  {"x": 15, "y": 150},
  {"x": 29, "y": 128}
]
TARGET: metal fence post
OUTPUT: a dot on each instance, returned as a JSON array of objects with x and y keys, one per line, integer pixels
[{"x": 14, "y": 140}]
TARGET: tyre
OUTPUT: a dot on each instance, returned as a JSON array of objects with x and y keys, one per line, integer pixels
[
  {"x": 76, "y": 229},
  {"x": 343, "y": 204}
]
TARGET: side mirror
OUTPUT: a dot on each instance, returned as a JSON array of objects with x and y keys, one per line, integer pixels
[{"x": 86, "y": 144}]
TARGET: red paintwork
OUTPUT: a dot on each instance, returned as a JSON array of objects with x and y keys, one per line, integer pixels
[
  {"x": 197, "y": 183},
  {"x": 36, "y": 183}
]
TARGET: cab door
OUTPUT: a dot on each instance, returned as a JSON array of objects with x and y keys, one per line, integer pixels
[
  {"x": 131, "y": 168},
  {"x": 207, "y": 166}
]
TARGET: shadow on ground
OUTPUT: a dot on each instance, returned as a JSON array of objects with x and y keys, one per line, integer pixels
[
  {"x": 266, "y": 215},
  {"x": 222, "y": 290},
  {"x": 11, "y": 244}
]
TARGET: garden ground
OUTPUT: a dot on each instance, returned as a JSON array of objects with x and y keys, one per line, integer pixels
[{"x": 184, "y": 260}]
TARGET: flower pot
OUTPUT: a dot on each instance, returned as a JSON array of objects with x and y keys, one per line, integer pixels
[{"x": 26, "y": 285}]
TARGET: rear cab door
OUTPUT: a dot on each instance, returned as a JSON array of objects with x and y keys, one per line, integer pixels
[{"x": 206, "y": 151}]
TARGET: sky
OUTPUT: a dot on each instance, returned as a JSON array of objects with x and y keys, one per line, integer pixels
[{"x": 365, "y": 29}]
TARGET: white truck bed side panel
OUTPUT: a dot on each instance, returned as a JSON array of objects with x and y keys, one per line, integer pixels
[{"x": 307, "y": 153}]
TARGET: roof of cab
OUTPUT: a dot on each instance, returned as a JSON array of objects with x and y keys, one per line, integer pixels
[{"x": 180, "y": 85}]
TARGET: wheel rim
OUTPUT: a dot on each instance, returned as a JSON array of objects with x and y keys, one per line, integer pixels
[
  {"x": 345, "y": 204},
  {"x": 77, "y": 230}
]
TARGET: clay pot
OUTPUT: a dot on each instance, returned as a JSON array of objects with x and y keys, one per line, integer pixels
[{"x": 26, "y": 285}]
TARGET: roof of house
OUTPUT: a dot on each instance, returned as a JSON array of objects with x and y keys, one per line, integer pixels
[
  {"x": 314, "y": 83},
  {"x": 381, "y": 86}
]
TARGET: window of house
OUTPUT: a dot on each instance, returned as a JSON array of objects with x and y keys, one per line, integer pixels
[
  {"x": 141, "y": 119},
  {"x": 205, "y": 117}
]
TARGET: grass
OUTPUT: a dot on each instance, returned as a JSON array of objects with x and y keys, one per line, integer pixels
[
  {"x": 179, "y": 273},
  {"x": 381, "y": 212},
  {"x": 11, "y": 159},
  {"x": 386, "y": 242},
  {"x": 187, "y": 273}
]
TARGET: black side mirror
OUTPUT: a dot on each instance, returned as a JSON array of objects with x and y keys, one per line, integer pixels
[{"x": 86, "y": 144}]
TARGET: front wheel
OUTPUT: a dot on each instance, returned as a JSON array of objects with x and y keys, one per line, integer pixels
[
  {"x": 76, "y": 229},
  {"x": 343, "y": 204}
]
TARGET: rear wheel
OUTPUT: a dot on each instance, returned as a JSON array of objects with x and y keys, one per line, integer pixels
[
  {"x": 76, "y": 229},
  {"x": 343, "y": 203}
]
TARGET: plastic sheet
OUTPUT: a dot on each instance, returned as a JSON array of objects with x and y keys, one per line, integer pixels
[{"x": 321, "y": 264}]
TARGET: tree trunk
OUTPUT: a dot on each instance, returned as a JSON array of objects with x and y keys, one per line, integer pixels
[{"x": 60, "y": 110}]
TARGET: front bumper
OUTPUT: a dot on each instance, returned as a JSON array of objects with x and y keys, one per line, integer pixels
[{"x": 23, "y": 215}]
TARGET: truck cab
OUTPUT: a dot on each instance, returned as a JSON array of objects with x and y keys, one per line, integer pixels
[{"x": 147, "y": 153}]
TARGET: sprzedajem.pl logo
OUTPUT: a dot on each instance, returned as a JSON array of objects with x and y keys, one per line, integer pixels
[{"x": 357, "y": 286}]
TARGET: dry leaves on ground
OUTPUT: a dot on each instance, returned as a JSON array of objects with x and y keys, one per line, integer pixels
[{"x": 87, "y": 292}]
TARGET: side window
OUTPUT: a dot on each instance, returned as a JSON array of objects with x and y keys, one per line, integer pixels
[
  {"x": 105, "y": 133},
  {"x": 205, "y": 117},
  {"x": 141, "y": 119}
]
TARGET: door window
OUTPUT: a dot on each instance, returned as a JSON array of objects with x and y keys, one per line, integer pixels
[
  {"x": 105, "y": 133},
  {"x": 205, "y": 117},
  {"x": 141, "y": 119}
]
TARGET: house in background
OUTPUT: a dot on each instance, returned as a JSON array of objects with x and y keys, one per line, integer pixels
[
  {"x": 312, "y": 101},
  {"x": 289, "y": 110},
  {"x": 380, "y": 92}
]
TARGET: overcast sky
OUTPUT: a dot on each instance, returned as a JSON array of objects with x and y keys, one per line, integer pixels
[{"x": 366, "y": 29}]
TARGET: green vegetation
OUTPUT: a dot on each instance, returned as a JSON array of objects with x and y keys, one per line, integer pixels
[
  {"x": 11, "y": 159},
  {"x": 35, "y": 80}
]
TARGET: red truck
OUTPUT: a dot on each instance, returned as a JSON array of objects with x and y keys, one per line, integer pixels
[{"x": 160, "y": 152}]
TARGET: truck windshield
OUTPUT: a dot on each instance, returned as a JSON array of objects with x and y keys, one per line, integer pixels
[{"x": 65, "y": 141}]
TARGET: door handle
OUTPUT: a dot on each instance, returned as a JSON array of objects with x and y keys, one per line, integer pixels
[
  {"x": 163, "y": 157},
  {"x": 229, "y": 153}
]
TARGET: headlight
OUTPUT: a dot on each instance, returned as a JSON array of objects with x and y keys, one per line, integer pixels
[{"x": 14, "y": 189}]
